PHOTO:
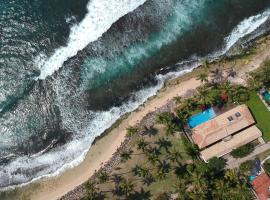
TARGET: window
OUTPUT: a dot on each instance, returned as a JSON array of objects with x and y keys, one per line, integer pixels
[
  {"x": 230, "y": 118},
  {"x": 238, "y": 114}
]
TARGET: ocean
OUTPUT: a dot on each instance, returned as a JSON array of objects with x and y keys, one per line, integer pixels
[{"x": 69, "y": 69}]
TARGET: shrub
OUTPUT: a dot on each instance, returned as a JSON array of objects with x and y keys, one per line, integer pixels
[
  {"x": 216, "y": 165},
  {"x": 245, "y": 167},
  {"x": 243, "y": 151},
  {"x": 266, "y": 167}
]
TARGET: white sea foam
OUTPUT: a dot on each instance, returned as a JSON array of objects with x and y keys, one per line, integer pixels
[
  {"x": 244, "y": 28},
  {"x": 74, "y": 152},
  {"x": 100, "y": 17}
]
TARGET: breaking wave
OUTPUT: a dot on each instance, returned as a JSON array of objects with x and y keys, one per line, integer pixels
[{"x": 101, "y": 15}]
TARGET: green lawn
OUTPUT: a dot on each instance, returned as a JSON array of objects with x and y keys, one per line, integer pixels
[{"x": 261, "y": 114}]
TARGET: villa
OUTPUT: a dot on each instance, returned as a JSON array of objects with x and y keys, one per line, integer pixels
[{"x": 221, "y": 134}]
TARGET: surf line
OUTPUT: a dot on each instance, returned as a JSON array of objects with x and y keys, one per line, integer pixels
[{"x": 98, "y": 20}]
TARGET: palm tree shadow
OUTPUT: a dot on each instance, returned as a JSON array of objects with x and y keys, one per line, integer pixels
[
  {"x": 142, "y": 195},
  {"x": 151, "y": 131}
]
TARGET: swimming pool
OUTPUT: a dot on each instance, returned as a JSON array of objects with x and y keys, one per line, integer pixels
[
  {"x": 200, "y": 118},
  {"x": 266, "y": 96}
]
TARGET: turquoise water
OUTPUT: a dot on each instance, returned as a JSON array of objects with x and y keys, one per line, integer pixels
[
  {"x": 201, "y": 118},
  {"x": 47, "y": 125},
  {"x": 251, "y": 178},
  {"x": 266, "y": 96},
  {"x": 100, "y": 69}
]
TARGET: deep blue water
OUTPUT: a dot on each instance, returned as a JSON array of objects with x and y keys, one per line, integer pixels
[{"x": 69, "y": 69}]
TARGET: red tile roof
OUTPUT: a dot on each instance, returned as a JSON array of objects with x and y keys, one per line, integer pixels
[
  {"x": 261, "y": 186},
  {"x": 220, "y": 127}
]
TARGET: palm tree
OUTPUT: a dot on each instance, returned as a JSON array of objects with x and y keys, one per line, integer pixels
[
  {"x": 240, "y": 94},
  {"x": 144, "y": 172},
  {"x": 168, "y": 119},
  {"x": 217, "y": 76},
  {"x": 204, "y": 97},
  {"x": 200, "y": 186},
  {"x": 191, "y": 103},
  {"x": 178, "y": 100},
  {"x": 203, "y": 77},
  {"x": 199, "y": 192},
  {"x": 206, "y": 65},
  {"x": 180, "y": 170},
  {"x": 153, "y": 158},
  {"x": 116, "y": 178},
  {"x": 220, "y": 189},
  {"x": 163, "y": 143},
  {"x": 131, "y": 131},
  {"x": 163, "y": 166},
  {"x": 148, "y": 180},
  {"x": 160, "y": 175},
  {"x": 190, "y": 148},
  {"x": 164, "y": 118},
  {"x": 142, "y": 144},
  {"x": 231, "y": 73},
  {"x": 136, "y": 170},
  {"x": 103, "y": 176},
  {"x": 141, "y": 195},
  {"x": 92, "y": 191},
  {"x": 126, "y": 155},
  {"x": 183, "y": 114},
  {"x": 151, "y": 131},
  {"x": 174, "y": 155},
  {"x": 126, "y": 187},
  {"x": 232, "y": 177},
  {"x": 153, "y": 150},
  {"x": 153, "y": 154},
  {"x": 227, "y": 88}
]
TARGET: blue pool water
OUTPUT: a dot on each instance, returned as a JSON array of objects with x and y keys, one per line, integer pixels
[
  {"x": 266, "y": 96},
  {"x": 251, "y": 178},
  {"x": 201, "y": 118}
]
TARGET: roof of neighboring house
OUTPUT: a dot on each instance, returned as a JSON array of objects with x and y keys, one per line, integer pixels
[
  {"x": 261, "y": 186},
  {"x": 226, "y": 146},
  {"x": 221, "y": 127}
]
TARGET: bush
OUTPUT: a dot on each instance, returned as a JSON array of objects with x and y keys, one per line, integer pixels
[
  {"x": 266, "y": 167},
  {"x": 216, "y": 165},
  {"x": 261, "y": 77},
  {"x": 246, "y": 167},
  {"x": 243, "y": 151}
]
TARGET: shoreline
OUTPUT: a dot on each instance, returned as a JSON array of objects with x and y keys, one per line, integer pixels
[{"x": 114, "y": 137}]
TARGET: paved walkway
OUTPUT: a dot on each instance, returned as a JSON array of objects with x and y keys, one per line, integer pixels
[{"x": 233, "y": 163}]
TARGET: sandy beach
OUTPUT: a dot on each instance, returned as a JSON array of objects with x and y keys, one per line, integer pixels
[
  {"x": 105, "y": 147},
  {"x": 97, "y": 156}
]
